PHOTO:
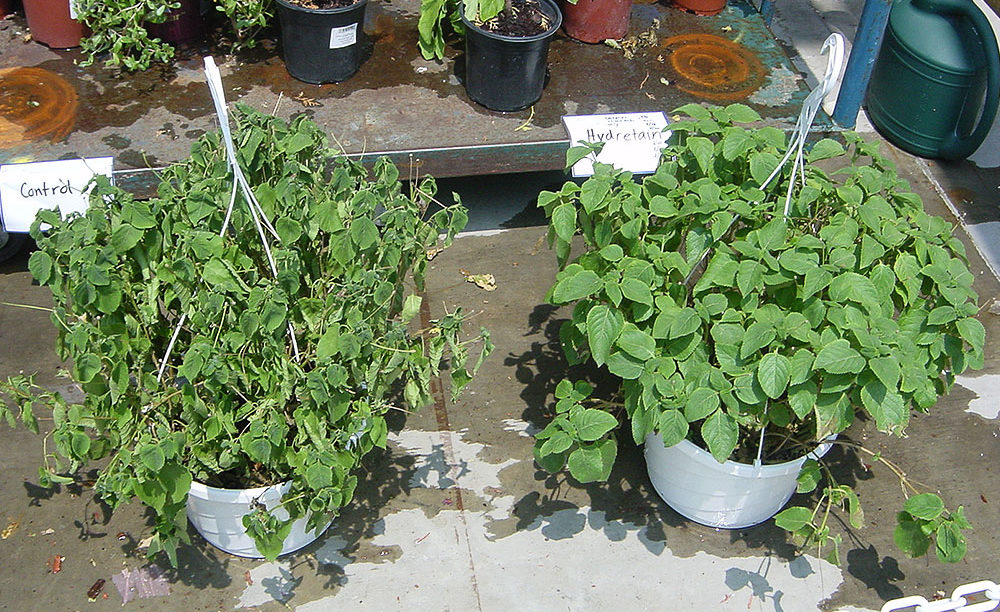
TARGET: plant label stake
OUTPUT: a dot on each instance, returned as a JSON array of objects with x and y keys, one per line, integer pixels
[{"x": 262, "y": 223}]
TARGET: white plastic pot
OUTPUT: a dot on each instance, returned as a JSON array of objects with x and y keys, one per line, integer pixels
[
  {"x": 730, "y": 495},
  {"x": 217, "y": 514}
]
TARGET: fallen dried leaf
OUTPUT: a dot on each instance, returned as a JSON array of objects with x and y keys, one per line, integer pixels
[
  {"x": 484, "y": 281},
  {"x": 10, "y": 528},
  {"x": 248, "y": 578},
  {"x": 304, "y": 100},
  {"x": 95, "y": 589},
  {"x": 47, "y": 532},
  {"x": 145, "y": 542},
  {"x": 55, "y": 563},
  {"x": 983, "y": 497},
  {"x": 434, "y": 252}
]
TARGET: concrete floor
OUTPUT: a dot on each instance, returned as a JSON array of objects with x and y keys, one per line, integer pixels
[{"x": 455, "y": 515}]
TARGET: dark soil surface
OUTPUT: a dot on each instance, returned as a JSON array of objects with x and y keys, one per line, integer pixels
[
  {"x": 324, "y": 4},
  {"x": 523, "y": 20}
]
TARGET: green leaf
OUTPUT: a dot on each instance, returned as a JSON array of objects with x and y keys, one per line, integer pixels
[
  {"x": 838, "y": 357},
  {"x": 761, "y": 166},
  {"x": 79, "y": 443},
  {"x": 577, "y": 286},
  {"x": 703, "y": 150},
  {"x": 364, "y": 233},
  {"x": 741, "y": 113},
  {"x": 40, "y": 266},
  {"x": 636, "y": 342},
  {"x": 564, "y": 221},
  {"x": 604, "y": 325},
  {"x": 809, "y": 477},
  {"x": 701, "y": 403},
  {"x": 124, "y": 237},
  {"x": 673, "y": 427},
  {"x": 318, "y": 476},
  {"x": 950, "y": 543},
  {"x": 152, "y": 457},
  {"x": 591, "y": 424},
  {"x": 625, "y": 366},
  {"x": 557, "y": 443},
  {"x": 637, "y": 291},
  {"x": 773, "y": 374},
  {"x": 758, "y": 335},
  {"x": 593, "y": 463},
  {"x": 612, "y": 252},
  {"x": 721, "y": 434},
  {"x": 886, "y": 369},
  {"x": 825, "y": 149},
  {"x": 794, "y": 518},
  {"x": 802, "y": 398},
  {"x": 910, "y": 537},
  {"x": 289, "y": 230},
  {"x": 685, "y": 322},
  {"x": 887, "y": 407},
  {"x": 411, "y": 306},
  {"x": 973, "y": 332},
  {"x": 927, "y": 506},
  {"x": 87, "y": 367},
  {"x": 329, "y": 343}
]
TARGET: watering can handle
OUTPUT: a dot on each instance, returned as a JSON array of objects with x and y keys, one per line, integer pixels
[{"x": 956, "y": 147}]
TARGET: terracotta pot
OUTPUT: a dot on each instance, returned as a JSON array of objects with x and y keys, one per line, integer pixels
[
  {"x": 182, "y": 24},
  {"x": 50, "y": 23},
  {"x": 701, "y": 7},
  {"x": 592, "y": 21}
]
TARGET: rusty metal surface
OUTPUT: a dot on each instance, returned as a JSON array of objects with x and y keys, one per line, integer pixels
[{"x": 398, "y": 104}]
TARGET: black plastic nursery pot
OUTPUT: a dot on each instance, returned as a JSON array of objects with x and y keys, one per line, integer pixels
[
  {"x": 322, "y": 45},
  {"x": 507, "y": 73}
]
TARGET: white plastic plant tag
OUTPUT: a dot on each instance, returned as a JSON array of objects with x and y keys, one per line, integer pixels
[
  {"x": 27, "y": 188},
  {"x": 72, "y": 10},
  {"x": 632, "y": 141},
  {"x": 344, "y": 36}
]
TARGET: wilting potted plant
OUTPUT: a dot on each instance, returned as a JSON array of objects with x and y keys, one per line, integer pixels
[
  {"x": 747, "y": 333},
  {"x": 134, "y": 36},
  {"x": 208, "y": 359},
  {"x": 506, "y": 46}
]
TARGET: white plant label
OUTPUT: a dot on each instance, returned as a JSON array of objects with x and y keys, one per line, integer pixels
[
  {"x": 72, "y": 10},
  {"x": 27, "y": 188},
  {"x": 632, "y": 141},
  {"x": 344, "y": 36}
]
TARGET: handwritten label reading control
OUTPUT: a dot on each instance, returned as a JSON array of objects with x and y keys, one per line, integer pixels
[
  {"x": 632, "y": 141},
  {"x": 27, "y": 188}
]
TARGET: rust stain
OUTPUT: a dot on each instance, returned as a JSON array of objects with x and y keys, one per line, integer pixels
[
  {"x": 713, "y": 67},
  {"x": 35, "y": 104}
]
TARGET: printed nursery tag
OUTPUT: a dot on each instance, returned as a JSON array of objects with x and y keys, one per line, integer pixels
[
  {"x": 632, "y": 141},
  {"x": 343, "y": 36},
  {"x": 27, "y": 188}
]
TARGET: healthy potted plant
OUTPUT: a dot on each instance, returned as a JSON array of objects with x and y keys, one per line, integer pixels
[
  {"x": 746, "y": 333},
  {"x": 506, "y": 46},
  {"x": 209, "y": 361}
]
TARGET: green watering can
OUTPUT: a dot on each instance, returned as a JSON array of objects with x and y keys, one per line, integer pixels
[{"x": 934, "y": 87}]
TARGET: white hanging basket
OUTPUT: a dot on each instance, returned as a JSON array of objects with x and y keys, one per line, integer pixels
[
  {"x": 217, "y": 514},
  {"x": 730, "y": 495}
]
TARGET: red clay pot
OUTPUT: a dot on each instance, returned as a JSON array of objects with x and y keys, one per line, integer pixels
[
  {"x": 592, "y": 21},
  {"x": 182, "y": 24},
  {"x": 701, "y": 7},
  {"x": 50, "y": 23}
]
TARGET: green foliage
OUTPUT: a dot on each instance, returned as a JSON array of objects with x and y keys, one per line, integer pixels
[
  {"x": 723, "y": 317},
  {"x": 118, "y": 33},
  {"x": 235, "y": 399},
  {"x": 434, "y": 14}
]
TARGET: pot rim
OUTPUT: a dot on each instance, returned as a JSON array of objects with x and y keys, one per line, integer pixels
[
  {"x": 736, "y": 468},
  {"x": 554, "y": 13},
  {"x": 240, "y": 496},
  {"x": 332, "y": 11}
]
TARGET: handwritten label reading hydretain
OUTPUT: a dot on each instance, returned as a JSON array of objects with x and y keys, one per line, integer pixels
[
  {"x": 632, "y": 141},
  {"x": 27, "y": 188}
]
